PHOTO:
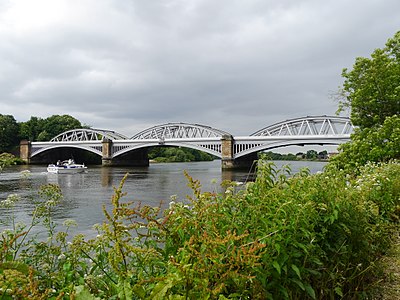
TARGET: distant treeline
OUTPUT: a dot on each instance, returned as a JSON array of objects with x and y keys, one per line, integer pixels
[
  {"x": 309, "y": 155},
  {"x": 36, "y": 129},
  {"x": 178, "y": 154}
]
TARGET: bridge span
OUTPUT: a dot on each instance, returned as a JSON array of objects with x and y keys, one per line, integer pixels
[{"x": 234, "y": 151}]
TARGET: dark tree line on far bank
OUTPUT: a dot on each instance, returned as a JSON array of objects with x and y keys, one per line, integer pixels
[{"x": 35, "y": 129}]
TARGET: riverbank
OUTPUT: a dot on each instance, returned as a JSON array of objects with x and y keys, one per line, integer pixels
[{"x": 387, "y": 286}]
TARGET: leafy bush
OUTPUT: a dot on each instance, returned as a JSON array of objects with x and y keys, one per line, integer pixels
[
  {"x": 7, "y": 159},
  {"x": 377, "y": 144},
  {"x": 283, "y": 236}
]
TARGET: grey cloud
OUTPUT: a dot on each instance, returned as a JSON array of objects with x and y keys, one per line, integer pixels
[{"x": 233, "y": 65}]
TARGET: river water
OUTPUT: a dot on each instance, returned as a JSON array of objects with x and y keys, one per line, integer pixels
[{"x": 85, "y": 194}]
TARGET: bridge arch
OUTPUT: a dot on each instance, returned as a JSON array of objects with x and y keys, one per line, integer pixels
[
  {"x": 48, "y": 146},
  {"x": 88, "y": 139},
  {"x": 87, "y": 134},
  {"x": 280, "y": 143},
  {"x": 311, "y": 130},
  {"x": 179, "y": 131},
  {"x": 311, "y": 125},
  {"x": 210, "y": 148},
  {"x": 193, "y": 136}
]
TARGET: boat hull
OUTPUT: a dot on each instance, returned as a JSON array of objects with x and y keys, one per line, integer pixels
[{"x": 66, "y": 169}]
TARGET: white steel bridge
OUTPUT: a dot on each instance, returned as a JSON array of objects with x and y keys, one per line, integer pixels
[{"x": 315, "y": 130}]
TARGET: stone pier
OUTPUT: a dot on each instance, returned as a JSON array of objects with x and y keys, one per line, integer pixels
[
  {"x": 135, "y": 158},
  {"x": 106, "y": 159},
  {"x": 228, "y": 161},
  {"x": 25, "y": 148}
]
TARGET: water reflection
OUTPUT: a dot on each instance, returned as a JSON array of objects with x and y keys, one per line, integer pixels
[
  {"x": 106, "y": 177},
  {"x": 66, "y": 180},
  {"x": 85, "y": 194}
]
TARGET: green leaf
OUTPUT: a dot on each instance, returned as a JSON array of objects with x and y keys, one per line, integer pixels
[
  {"x": 278, "y": 248},
  {"x": 21, "y": 267},
  {"x": 297, "y": 271},
  {"x": 160, "y": 290},
  {"x": 139, "y": 291},
  {"x": 66, "y": 266},
  {"x": 82, "y": 293},
  {"x": 299, "y": 283},
  {"x": 125, "y": 290},
  {"x": 277, "y": 267},
  {"x": 310, "y": 291},
  {"x": 338, "y": 291}
]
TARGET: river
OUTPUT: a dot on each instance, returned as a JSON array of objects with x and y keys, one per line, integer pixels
[{"x": 85, "y": 194}]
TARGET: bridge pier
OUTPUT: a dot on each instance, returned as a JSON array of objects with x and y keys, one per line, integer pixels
[
  {"x": 106, "y": 158},
  {"x": 25, "y": 150},
  {"x": 137, "y": 158},
  {"x": 228, "y": 162},
  {"x": 227, "y": 159}
]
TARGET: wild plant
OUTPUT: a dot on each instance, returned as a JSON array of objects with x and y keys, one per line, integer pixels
[
  {"x": 16, "y": 257},
  {"x": 283, "y": 236}
]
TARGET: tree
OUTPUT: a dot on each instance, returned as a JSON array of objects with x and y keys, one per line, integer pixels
[
  {"x": 372, "y": 92},
  {"x": 31, "y": 129},
  {"x": 311, "y": 154},
  {"x": 37, "y": 129},
  {"x": 173, "y": 154},
  {"x": 57, "y": 124},
  {"x": 370, "y": 144},
  {"x": 372, "y": 88},
  {"x": 323, "y": 154},
  {"x": 9, "y": 130}
]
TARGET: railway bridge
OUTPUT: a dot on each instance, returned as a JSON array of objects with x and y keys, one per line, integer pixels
[{"x": 234, "y": 151}]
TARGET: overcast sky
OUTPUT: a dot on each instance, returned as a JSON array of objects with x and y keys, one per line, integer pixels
[{"x": 233, "y": 65}]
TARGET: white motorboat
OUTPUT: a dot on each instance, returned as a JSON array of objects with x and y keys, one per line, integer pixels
[{"x": 66, "y": 167}]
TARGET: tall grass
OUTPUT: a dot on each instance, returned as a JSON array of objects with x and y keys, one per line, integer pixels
[{"x": 284, "y": 236}]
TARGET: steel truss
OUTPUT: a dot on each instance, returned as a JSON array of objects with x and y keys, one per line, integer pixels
[
  {"x": 301, "y": 131},
  {"x": 179, "y": 131},
  {"x": 317, "y": 125},
  {"x": 83, "y": 134}
]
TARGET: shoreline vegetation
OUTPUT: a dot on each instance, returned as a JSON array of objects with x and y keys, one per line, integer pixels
[
  {"x": 177, "y": 154},
  {"x": 320, "y": 236},
  {"x": 315, "y": 236},
  {"x": 181, "y": 154}
]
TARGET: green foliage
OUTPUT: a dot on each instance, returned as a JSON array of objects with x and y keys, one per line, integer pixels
[
  {"x": 378, "y": 144},
  {"x": 56, "y": 124},
  {"x": 283, "y": 236},
  {"x": 372, "y": 91},
  {"x": 278, "y": 156},
  {"x": 175, "y": 154},
  {"x": 37, "y": 129},
  {"x": 323, "y": 154},
  {"x": 8, "y": 133},
  {"x": 31, "y": 129},
  {"x": 372, "y": 88},
  {"x": 311, "y": 154},
  {"x": 7, "y": 159}
]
